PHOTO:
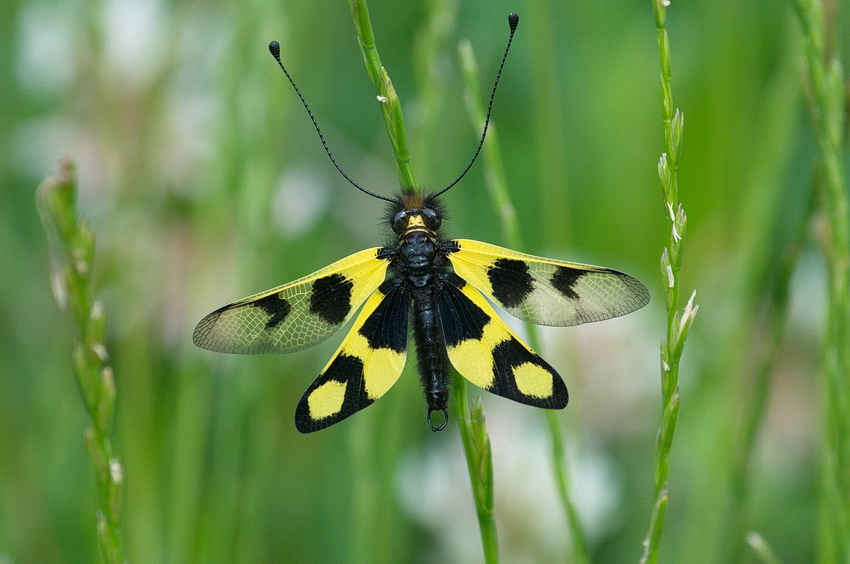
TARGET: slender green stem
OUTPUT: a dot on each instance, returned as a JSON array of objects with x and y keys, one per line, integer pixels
[
  {"x": 678, "y": 323},
  {"x": 472, "y": 426},
  {"x": 385, "y": 93},
  {"x": 499, "y": 193},
  {"x": 828, "y": 99},
  {"x": 367, "y": 528},
  {"x": 479, "y": 462},
  {"x": 72, "y": 257},
  {"x": 544, "y": 35},
  {"x": 561, "y": 471},
  {"x": 770, "y": 258},
  {"x": 768, "y": 348}
]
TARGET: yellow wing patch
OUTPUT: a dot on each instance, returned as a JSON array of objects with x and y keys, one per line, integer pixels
[
  {"x": 486, "y": 352},
  {"x": 473, "y": 357},
  {"x": 533, "y": 380},
  {"x": 327, "y": 399},
  {"x": 545, "y": 291},
  {"x": 366, "y": 365},
  {"x": 297, "y": 315}
]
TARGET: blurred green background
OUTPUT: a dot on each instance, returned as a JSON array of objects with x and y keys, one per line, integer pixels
[{"x": 205, "y": 182}]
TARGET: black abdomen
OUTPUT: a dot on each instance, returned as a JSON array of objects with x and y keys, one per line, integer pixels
[{"x": 431, "y": 354}]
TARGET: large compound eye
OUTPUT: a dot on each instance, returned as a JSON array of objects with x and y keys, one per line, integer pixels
[
  {"x": 432, "y": 218},
  {"x": 399, "y": 223}
]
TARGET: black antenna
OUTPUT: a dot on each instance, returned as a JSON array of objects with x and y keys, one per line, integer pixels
[
  {"x": 274, "y": 48},
  {"x": 513, "y": 22}
]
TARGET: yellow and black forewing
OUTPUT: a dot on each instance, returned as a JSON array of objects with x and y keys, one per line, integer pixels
[
  {"x": 297, "y": 315},
  {"x": 545, "y": 291},
  {"x": 366, "y": 365},
  {"x": 486, "y": 352}
]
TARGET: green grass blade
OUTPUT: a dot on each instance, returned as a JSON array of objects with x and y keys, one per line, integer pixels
[
  {"x": 479, "y": 462},
  {"x": 472, "y": 426},
  {"x": 385, "y": 93},
  {"x": 497, "y": 187},
  {"x": 828, "y": 99},
  {"x": 678, "y": 322},
  {"x": 72, "y": 245}
]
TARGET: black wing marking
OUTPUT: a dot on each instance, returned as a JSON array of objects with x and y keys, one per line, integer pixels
[
  {"x": 366, "y": 365},
  {"x": 546, "y": 291},
  {"x": 487, "y": 353},
  {"x": 297, "y": 315}
]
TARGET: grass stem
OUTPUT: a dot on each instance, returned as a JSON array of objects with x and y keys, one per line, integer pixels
[
  {"x": 678, "y": 322},
  {"x": 479, "y": 462},
  {"x": 72, "y": 243},
  {"x": 472, "y": 425},
  {"x": 500, "y": 195},
  {"x": 828, "y": 100},
  {"x": 385, "y": 93}
]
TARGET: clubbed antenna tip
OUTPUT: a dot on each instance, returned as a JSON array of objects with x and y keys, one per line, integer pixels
[
  {"x": 274, "y": 49},
  {"x": 513, "y": 21}
]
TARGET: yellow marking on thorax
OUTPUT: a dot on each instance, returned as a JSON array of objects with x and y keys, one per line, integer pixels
[{"x": 416, "y": 224}]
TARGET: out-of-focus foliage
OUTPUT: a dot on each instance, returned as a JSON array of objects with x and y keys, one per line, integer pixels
[{"x": 204, "y": 182}]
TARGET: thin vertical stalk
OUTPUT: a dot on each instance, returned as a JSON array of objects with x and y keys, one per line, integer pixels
[
  {"x": 768, "y": 349},
  {"x": 72, "y": 245},
  {"x": 499, "y": 193},
  {"x": 385, "y": 93},
  {"x": 479, "y": 462},
  {"x": 828, "y": 100},
  {"x": 678, "y": 323},
  {"x": 472, "y": 426}
]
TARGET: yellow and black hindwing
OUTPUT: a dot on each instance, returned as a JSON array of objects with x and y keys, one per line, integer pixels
[
  {"x": 485, "y": 351},
  {"x": 365, "y": 366}
]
